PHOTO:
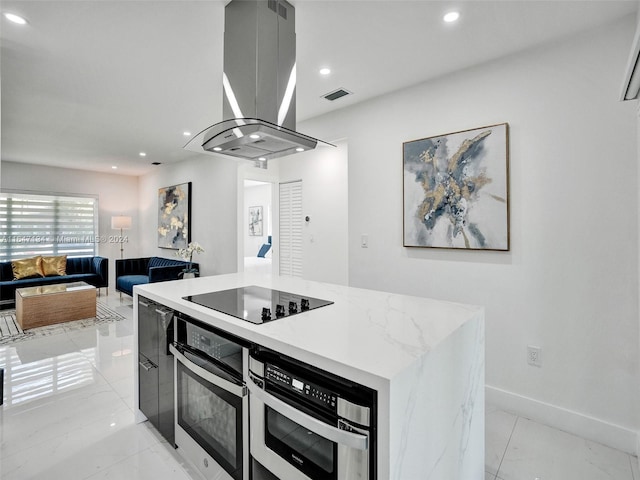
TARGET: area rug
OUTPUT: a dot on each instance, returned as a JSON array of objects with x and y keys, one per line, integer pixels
[{"x": 11, "y": 332}]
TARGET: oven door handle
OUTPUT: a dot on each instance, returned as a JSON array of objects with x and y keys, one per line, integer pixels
[
  {"x": 238, "y": 390},
  {"x": 334, "y": 434}
]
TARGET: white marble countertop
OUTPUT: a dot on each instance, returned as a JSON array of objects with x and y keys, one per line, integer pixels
[{"x": 367, "y": 336}]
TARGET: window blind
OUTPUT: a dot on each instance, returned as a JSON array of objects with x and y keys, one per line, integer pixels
[
  {"x": 34, "y": 224},
  {"x": 290, "y": 241}
]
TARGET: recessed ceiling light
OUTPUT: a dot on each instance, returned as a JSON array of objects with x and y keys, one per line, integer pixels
[
  {"x": 325, "y": 71},
  {"x": 143, "y": 154},
  {"x": 262, "y": 159},
  {"x": 186, "y": 134},
  {"x": 451, "y": 17},
  {"x": 254, "y": 136},
  {"x": 115, "y": 167},
  {"x": 12, "y": 17},
  {"x": 299, "y": 149},
  {"x": 217, "y": 149}
]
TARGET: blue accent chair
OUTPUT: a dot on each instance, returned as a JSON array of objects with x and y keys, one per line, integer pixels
[
  {"x": 265, "y": 248},
  {"x": 139, "y": 271}
]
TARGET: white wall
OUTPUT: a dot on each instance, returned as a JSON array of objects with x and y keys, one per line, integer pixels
[
  {"x": 324, "y": 173},
  {"x": 213, "y": 210},
  {"x": 257, "y": 195},
  {"x": 117, "y": 195},
  {"x": 570, "y": 282}
]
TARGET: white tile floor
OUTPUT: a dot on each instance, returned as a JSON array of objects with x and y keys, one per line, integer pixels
[
  {"x": 520, "y": 449},
  {"x": 68, "y": 414}
]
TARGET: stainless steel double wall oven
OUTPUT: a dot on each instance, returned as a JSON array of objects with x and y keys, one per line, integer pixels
[{"x": 243, "y": 411}]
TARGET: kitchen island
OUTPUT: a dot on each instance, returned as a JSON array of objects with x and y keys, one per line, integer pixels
[{"x": 423, "y": 357}]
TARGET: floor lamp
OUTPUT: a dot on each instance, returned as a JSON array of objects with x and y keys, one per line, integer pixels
[{"x": 121, "y": 222}]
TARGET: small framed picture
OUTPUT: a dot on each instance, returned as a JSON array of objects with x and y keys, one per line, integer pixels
[{"x": 255, "y": 221}]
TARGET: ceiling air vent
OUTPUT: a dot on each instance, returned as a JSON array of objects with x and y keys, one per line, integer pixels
[
  {"x": 336, "y": 94},
  {"x": 278, "y": 7},
  {"x": 282, "y": 11}
]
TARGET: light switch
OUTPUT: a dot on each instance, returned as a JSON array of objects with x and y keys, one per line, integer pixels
[{"x": 364, "y": 241}]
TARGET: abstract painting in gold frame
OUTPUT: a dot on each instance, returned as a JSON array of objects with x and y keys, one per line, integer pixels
[{"x": 174, "y": 216}]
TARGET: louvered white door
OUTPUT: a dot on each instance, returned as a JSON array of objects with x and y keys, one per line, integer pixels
[{"x": 291, "y": 229}]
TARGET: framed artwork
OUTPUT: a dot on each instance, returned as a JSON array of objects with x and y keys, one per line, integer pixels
[
  {"x": 174, "y": 216},
  {"x": 456, "y": 190},
  {"x": 255, "y": 221}
]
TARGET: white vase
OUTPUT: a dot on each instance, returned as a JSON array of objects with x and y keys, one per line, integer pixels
[{"x": 189, "y": 275}]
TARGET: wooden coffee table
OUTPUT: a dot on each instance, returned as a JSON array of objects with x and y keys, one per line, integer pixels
[{"x": 49, "y": 304}]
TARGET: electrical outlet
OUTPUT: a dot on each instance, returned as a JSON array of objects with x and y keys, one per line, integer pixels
[{"x": 534, "y": 355}]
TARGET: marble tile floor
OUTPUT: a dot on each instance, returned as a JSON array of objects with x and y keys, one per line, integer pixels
[
  {"x": 68, "y": 414},
  {"x": 519, "y": 449}
]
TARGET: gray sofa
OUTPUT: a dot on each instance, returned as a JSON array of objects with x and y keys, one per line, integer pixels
[{"x": 93, "y": 270}]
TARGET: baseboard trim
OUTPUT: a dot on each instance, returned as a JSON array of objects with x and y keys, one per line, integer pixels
[{"x": 597, "y": 430}]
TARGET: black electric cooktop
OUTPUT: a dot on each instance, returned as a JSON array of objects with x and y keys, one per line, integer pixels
[{"x": 257, "y": 304}]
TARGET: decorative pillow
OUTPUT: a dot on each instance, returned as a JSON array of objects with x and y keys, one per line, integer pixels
[
  {"x": 27, "y": 267},
  {"x": 54, "y": 266}
]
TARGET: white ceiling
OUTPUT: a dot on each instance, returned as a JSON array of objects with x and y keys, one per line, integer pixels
[{"x": 90, "y": 84}]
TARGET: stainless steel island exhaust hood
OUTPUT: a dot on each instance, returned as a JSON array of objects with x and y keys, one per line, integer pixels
[{"x": 259, "y": 84}]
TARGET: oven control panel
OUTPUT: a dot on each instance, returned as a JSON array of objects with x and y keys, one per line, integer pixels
[
  {"x": 204, "y": 344},
  {"x": 207, "y": 342},
  {"x": 303, "y": 387}
]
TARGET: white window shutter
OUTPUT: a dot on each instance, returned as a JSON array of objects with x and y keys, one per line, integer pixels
[
  {"x": 290, "y": 240},
  {"x": 38, "y": 224}
]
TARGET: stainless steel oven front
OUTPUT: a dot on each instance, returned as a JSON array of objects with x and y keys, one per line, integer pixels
[
  {"x": 306, "y": 424},
  {"x": 211, "y": 419}
]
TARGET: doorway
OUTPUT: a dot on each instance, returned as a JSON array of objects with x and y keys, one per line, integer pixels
[{"x": 257, "y": 228}]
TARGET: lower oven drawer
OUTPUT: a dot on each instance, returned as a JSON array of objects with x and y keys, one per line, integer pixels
[
  {"x": 259, "y": 472},
  {"x": 199, "y": 458}
]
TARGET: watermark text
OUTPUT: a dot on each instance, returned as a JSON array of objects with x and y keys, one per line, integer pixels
[{"x": 62, "y": 239}]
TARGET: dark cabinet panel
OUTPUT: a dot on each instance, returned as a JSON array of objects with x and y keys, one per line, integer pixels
[
  {"x": 148, "y": 329},
  {"x": 148, "y": 383},
  {"x": 155, "y": 367},
  {"x": 165, "y": 375}
]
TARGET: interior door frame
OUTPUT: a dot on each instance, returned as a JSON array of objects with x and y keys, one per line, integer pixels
[{"x": 246, "y": 172}]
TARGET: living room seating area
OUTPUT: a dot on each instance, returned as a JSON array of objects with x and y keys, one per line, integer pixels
[
  {"x": 37, "y": 271},
  {"x": 137, "y": 271}
]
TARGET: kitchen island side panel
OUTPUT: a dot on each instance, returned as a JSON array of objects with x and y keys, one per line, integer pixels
[{"x": 436, "y": 421}]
